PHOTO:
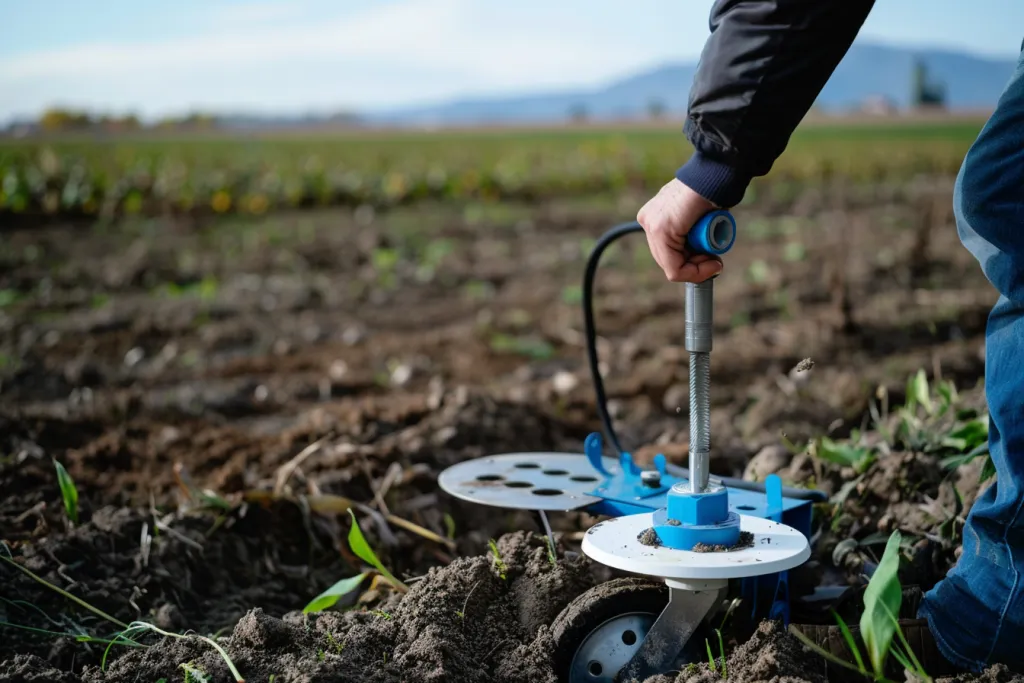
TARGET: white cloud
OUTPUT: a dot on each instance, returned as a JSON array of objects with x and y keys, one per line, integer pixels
[
  {"x": 253, "y": 13},
  {"x": 451, "y": 46}
]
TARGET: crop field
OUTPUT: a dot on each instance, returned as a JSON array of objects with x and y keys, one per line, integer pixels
[
  {"x": 231, "y": 369},
  {"x": 111, "y": 178}
]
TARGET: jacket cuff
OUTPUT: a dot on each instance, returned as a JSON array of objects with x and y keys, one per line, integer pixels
[{"x": 719, "y": 183}]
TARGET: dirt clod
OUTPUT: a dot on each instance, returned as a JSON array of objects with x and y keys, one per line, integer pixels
[
  {"x": 746, "y": 540},
  {"x": 772, "y": 655},
  {"x": 649, "y": 537},
  {"x": 997, "y": 673},
  {"x": 33, "y": 669},
  {"x": 804, "y": 365}
]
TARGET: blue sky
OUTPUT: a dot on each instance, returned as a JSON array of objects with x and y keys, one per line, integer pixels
[{"x": 156, "y": 58}]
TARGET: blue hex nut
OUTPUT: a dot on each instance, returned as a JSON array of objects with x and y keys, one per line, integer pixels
[
  {"x": 692, "y": 518},
  {"x": 698, "y": 509}
]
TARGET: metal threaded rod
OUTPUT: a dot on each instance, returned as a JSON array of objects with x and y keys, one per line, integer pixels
[
  {"x": 700, "y": 421},
  {"x": 698, "y": 321}
]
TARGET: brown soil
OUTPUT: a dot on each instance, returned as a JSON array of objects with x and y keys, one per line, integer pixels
[
  {"x": 993, "y": 674},
  {"x": 746, "y": 540},
  {"x": 649, "y": 537},
  {"x": 771, "y": 655},
  {"x": 219, "y": 391}
]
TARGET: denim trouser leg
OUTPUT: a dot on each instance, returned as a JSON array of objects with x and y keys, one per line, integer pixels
[{"x": 977, "y": 612}]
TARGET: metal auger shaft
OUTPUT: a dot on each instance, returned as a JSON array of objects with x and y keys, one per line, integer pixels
[{"x": 698, "y": 330}]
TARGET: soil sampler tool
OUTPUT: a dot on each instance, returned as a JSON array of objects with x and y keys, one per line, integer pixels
[{"x": 693, "y": 537}]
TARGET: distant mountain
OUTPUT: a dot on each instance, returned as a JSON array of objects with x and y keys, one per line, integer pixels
[{"x": 867, "y": 72}]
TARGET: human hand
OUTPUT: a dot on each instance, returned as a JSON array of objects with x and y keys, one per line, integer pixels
[{"x": 666, "y": 218}]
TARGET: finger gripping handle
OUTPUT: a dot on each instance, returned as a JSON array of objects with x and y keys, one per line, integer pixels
[{"x": 713, "y": 234}]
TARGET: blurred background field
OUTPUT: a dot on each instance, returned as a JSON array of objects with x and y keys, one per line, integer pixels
[{"x": 151, "y": 174}]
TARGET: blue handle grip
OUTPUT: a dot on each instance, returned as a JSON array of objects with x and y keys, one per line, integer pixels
[{"x": 713, "y": 234}]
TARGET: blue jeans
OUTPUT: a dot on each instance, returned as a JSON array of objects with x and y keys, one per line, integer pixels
[{"x": 976, "y": 613}]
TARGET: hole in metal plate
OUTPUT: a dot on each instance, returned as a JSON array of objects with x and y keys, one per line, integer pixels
[
  {"x": 527, "y": 465},
  {"x": 490, "y": 477},
  {"x": 583, "y": 477},
  {"x": 745, "y": 507},
  {"x": 628, "y": 637},
  {"x": 518, "y": 484},
  {"x": 546, "y": 492},
  {"x": 595, "y": 669},
  {"x": 555, "y": 473}
]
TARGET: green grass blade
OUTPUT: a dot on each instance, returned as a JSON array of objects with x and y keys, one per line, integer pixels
[
  {"x": 900, "y": 656},
  {"x": 916, "y": 665},
  {"x": 137, "y": 625},
  {"x": 57, "y": 589},
  {"x": 61, "y": 634},
  {"x": 449, "y": 523},
  {"x": 882, "y": 598},
  {"x": 802, "y": 637},
  {"x": 67, "y": 491},
  {"x": 121, "y": 638},
  {"x": 330, "y": 596},
  {"x": 851, "y": 642},
  {"x": 721, "y": 651},
  {"x": 362, "y": 549}
]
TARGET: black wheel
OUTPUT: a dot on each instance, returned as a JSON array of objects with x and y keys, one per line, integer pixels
[{"x": 599, "y": 631}]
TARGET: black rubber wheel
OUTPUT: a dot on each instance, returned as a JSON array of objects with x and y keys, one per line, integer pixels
[{"x": 614, "y": 599}]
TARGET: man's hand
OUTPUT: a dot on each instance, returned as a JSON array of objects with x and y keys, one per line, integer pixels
[{"x": 666, "y": 219}]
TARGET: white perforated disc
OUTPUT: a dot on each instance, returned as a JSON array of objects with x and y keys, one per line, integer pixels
[
  {"x": 614, "y": 542},
  {"x": 526, "y": 481}
]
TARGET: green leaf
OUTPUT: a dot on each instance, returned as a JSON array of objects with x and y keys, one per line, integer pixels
[
  {"x": 917, "y": 393},
  {"x": 954, "y": 461},
  {"x": 529, "y": 346},
  {"x": 843, "y": 454},
  {"x": 449, "y": 523},
  {"x": 970, "y": 435},
  {"x": 882, "y": 597},
  {"x": 330, "y": 596},
  {"x": 67, "y": 491},
  {"x": 357, "y": 542},
  {"x": 988, "y": 470}
]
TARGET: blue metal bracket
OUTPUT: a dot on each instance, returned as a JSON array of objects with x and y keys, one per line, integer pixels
[{"x": 625, "y": 493}]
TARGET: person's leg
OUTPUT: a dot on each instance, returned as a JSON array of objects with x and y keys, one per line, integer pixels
[{"x": 976, "y": 613}]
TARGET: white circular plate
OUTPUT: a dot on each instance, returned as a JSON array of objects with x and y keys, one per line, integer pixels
[
  {"x": 614, "y": 542},
  {"x": 526, "y": 481}
]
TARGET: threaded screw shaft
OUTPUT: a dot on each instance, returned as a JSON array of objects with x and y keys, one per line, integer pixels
[{"x": 700, "y": 421}]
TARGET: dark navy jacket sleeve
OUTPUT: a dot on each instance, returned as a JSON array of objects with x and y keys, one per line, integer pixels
[{"x": 760, "y": 71}]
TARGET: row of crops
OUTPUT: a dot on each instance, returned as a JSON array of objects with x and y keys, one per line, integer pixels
[{"x": 254, "y": 175}]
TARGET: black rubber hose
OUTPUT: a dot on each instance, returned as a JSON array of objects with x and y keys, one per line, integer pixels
[
  {"x": 590, "y": 334},
  {"x": 588, "y": 322}
]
